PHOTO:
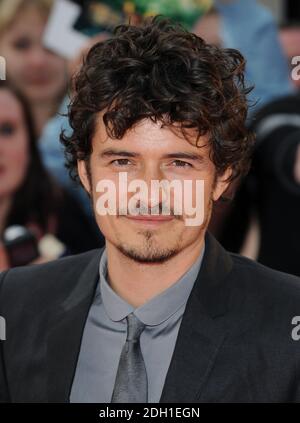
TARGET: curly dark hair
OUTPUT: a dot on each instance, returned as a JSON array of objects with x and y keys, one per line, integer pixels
[{"x": 158, "y": 70}]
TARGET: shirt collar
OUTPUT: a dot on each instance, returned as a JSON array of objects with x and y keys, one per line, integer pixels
[{"x": 159, "y": 308}]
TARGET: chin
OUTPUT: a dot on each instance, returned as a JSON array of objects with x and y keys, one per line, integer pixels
[
  {"x": 154, "y": 257},
  {"x": 148, "y": 250}
]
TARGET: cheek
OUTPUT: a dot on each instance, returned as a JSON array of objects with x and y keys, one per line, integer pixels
[
  {"x": 109, "y": 226},
  {"x": 20, "y": 156},
  {"x": 57, "y": 68},
  {"x": 15, "y": 64},
  {"x": 56, "y": 63},
  {"x": 105, "y": 196},
  {"x": 208, "y": 190},
  {"x": 201, "y": 190},
  {"x": 16, "y": 71},
  {"x": 16, "y": 163},
  {"x": 209, "y": 181}
]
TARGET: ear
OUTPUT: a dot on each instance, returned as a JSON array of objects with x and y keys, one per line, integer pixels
[
  {"x": 221, "y": 184},
  {"x": 82, "y": 172}
]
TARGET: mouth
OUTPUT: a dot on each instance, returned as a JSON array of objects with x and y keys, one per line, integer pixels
[
  {"x": 39, "y": 80},
  {"x": 150, "y": 220}
]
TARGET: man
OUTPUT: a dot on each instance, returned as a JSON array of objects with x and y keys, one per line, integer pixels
[{"x": 163, "y": 313}]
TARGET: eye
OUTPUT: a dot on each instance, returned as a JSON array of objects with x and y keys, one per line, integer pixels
[
  {"x": 22, "y": 44},
  {"x": 121, "y": 162},
  {"x": 181, "y": 163},
  {"x": 7, "y": 129}
]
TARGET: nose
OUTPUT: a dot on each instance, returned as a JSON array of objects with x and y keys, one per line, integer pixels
[
  {"x": 153, "y": 177},
  {"x": 38, "y": 57}
]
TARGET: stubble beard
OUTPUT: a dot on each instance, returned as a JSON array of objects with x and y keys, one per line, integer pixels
[{"x": 150, "y": 252}]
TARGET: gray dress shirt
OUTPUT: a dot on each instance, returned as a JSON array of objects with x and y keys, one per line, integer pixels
[{"x": 105, "y": 334}]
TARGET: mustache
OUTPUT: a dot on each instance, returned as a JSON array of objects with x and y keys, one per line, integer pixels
[{"x": 157, "y": 210}]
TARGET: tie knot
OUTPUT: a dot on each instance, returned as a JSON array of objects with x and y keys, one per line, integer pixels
[{"x": 134, "y": 327}]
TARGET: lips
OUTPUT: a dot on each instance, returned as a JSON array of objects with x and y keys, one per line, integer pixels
[
  {"x": 38, "y": 79},
  {"x": 150, "y": 219},
  {"x": 39, "y": 82}
]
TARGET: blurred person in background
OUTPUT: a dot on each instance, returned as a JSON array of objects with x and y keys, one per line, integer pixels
[
  {"x": 262, "y": 222},
  {"x": 42, "y": 77},
  {"x": 38, "y": 73},
  {"x": 28, "y": 195},
  {"x": 290, "y": 40},
  {"x": 97, "y": 20},
  {"x": 51, "y": 150},
  {"x": 251, "y": 28},
  {"x": 265, "y": 215}
]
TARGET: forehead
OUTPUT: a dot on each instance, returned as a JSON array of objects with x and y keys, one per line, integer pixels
[
  {"x": 290, "y": 34},
  {"x": 28, "y": 21},
  {"x": 148, "y": 137},
  {"x": 290, "y": 39}
]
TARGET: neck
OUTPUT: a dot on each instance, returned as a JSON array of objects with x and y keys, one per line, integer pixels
[
  {"x": 137, "y": 283},
  {"x": 5, "y": 205}
]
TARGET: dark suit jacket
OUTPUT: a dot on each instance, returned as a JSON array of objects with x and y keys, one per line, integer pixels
[{"x": 234, "y": 343}]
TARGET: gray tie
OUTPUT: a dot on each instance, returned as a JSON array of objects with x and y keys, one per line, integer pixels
[{"x": 131, "y": 384}]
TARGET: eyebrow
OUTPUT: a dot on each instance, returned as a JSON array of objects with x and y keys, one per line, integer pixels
[
  {"x": 113, "y": 153},
  {"x": 176, "y": 155},
  {"x": 188, "y": 156}
]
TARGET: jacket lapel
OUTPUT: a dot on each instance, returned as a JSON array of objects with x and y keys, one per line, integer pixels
[
  {"x": 66, "y": 331},
  {"x": 203, "y": 328}
]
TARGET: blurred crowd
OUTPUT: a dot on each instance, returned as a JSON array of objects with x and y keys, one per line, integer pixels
[{"x": 40, "y": 205}]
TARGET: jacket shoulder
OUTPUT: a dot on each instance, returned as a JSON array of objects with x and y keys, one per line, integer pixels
[
  {"x": 268, "y": 287},
  {"x": 43, "y": 282}
]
